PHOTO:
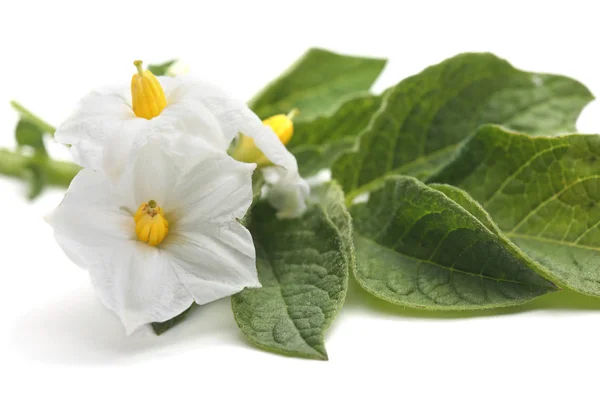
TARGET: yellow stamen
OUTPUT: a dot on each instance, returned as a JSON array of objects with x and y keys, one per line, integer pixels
[
  {"x": 151, "y": 226},
  {"x": 247, "y": 151},
  {"x": 148, "y": 97}
]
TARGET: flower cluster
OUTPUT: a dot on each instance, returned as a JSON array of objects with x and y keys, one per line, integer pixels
[{"x": 167, "y": 175}]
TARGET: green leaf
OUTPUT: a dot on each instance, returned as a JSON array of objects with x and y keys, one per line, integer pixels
[
  {"x": 27, "y": 115},
  {"x": 161, "y": 327},
  {"x": 317, "y": 144},
  {"x": 544, "y": 194},
  {"x": 30, "y": 135},
  {"x": 425, "y": 118},
  {"x": 161, "y": 69},
  {"x": 316, "y": 83},
  {"x": 303, "y": 267},
  {"x": 416, "y": 247},
  {"x": 257, "y": 184},
  {"x": 36, "y": 179}
]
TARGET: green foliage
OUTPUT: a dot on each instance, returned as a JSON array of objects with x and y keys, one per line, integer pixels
[
  {"x": 30, "y": 135},
  {"x": 425, "y": 118},
  {"x": 36, "y": 180},
  {"x": 416, "y": 247},
  {"x": 303, "y": 267},
  {"x": 161, "y": 327},
  {"x": 317, "y": 144},
  {"x": 543, "y": 192},
  {"x": 316, "y": 84},
  {"x": 33, "y": 119},
  {"x": 503, "y": 217},
  {"x": 161, "y": 69}
]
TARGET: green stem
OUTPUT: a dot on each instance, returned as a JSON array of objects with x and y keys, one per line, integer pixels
[
  {"x": 57, "y": 173},
  {"x": 31, "y": 117}
]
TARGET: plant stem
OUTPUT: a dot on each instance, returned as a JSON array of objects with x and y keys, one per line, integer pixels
[
  {"x": 57, "y": 173},
  {"x": 31, "y": 117}
]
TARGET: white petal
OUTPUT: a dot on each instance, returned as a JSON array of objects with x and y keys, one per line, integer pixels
[
  {"x": 187, "y": 110},
  {"x": 218, "y": 262},
  {"x": 212, "y": 191},
  {"x": 286, "y": 191},
  {"x": 154, "y": 172},
  {"x": 98, "y": 115},
  {"x": 141, "y": 285},
  {"x": 191, "y": 97},
  {"x": 90, "y": 213}
]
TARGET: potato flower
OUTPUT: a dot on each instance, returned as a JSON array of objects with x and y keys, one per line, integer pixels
[{"x": 163, "y": 235}]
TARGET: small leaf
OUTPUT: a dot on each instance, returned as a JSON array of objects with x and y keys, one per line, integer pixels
[
  {"x": 317, "y": 144},
  {"x": 425, "y": 118},
  {"x": 161, "y": 69},
  {"x": 161, "y": 327},
  {"x": 30, "y": 135},
  {"x": 543, "y": 193},
  {"x": 36, "y": 179},
  {"x": 316, "y": 84},
  {"x": 257, "y": 184},
  {"x": 303, "y": 267},
  {"x": 27, "y": 115},
  {"x": 416, "y": 247}
]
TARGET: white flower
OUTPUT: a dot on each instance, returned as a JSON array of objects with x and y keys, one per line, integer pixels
[
  {"x": 109, "y": 124},
  {"x": 165, "y": 234}
]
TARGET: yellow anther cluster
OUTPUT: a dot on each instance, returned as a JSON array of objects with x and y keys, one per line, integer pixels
[
  {"x": 151, "y": 225},
  {"x": 247, "y": 151},
  {"x": 148, "y": 97}
]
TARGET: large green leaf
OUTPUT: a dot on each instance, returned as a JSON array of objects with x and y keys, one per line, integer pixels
[
  {"x": 303, "y": 267},
  {"x": 317, "y": 144},
  {"x": 316, "y": 83},
  {"x": 425, "y": 118},
  {"x": 543, "y": 192},
  {"x": 417, "y": 247}
]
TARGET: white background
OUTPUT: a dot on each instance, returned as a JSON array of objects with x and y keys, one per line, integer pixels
[{"x": 57, "y": 340}]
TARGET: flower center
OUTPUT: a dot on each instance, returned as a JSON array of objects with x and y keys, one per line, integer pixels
[
  {"x": 151, "y": 226},
  {"x": 148, "y": 97},
  {"x": 247, "y": 151}
]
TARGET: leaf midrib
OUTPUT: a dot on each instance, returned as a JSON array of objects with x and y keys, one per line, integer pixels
[{"x": 420, "y": 261}]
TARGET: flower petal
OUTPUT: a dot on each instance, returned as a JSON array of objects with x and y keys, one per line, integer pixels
[
  {"x": 90, "y": 213},
  {"x": 187, "y": 110},
  {"x": 287, "y": 192},
  {"x": 99, "y": 114},
  {"x": 140, "y": 285},
  {"x": 214, "y": 190},
  {"x": 215, "y": 263}
]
